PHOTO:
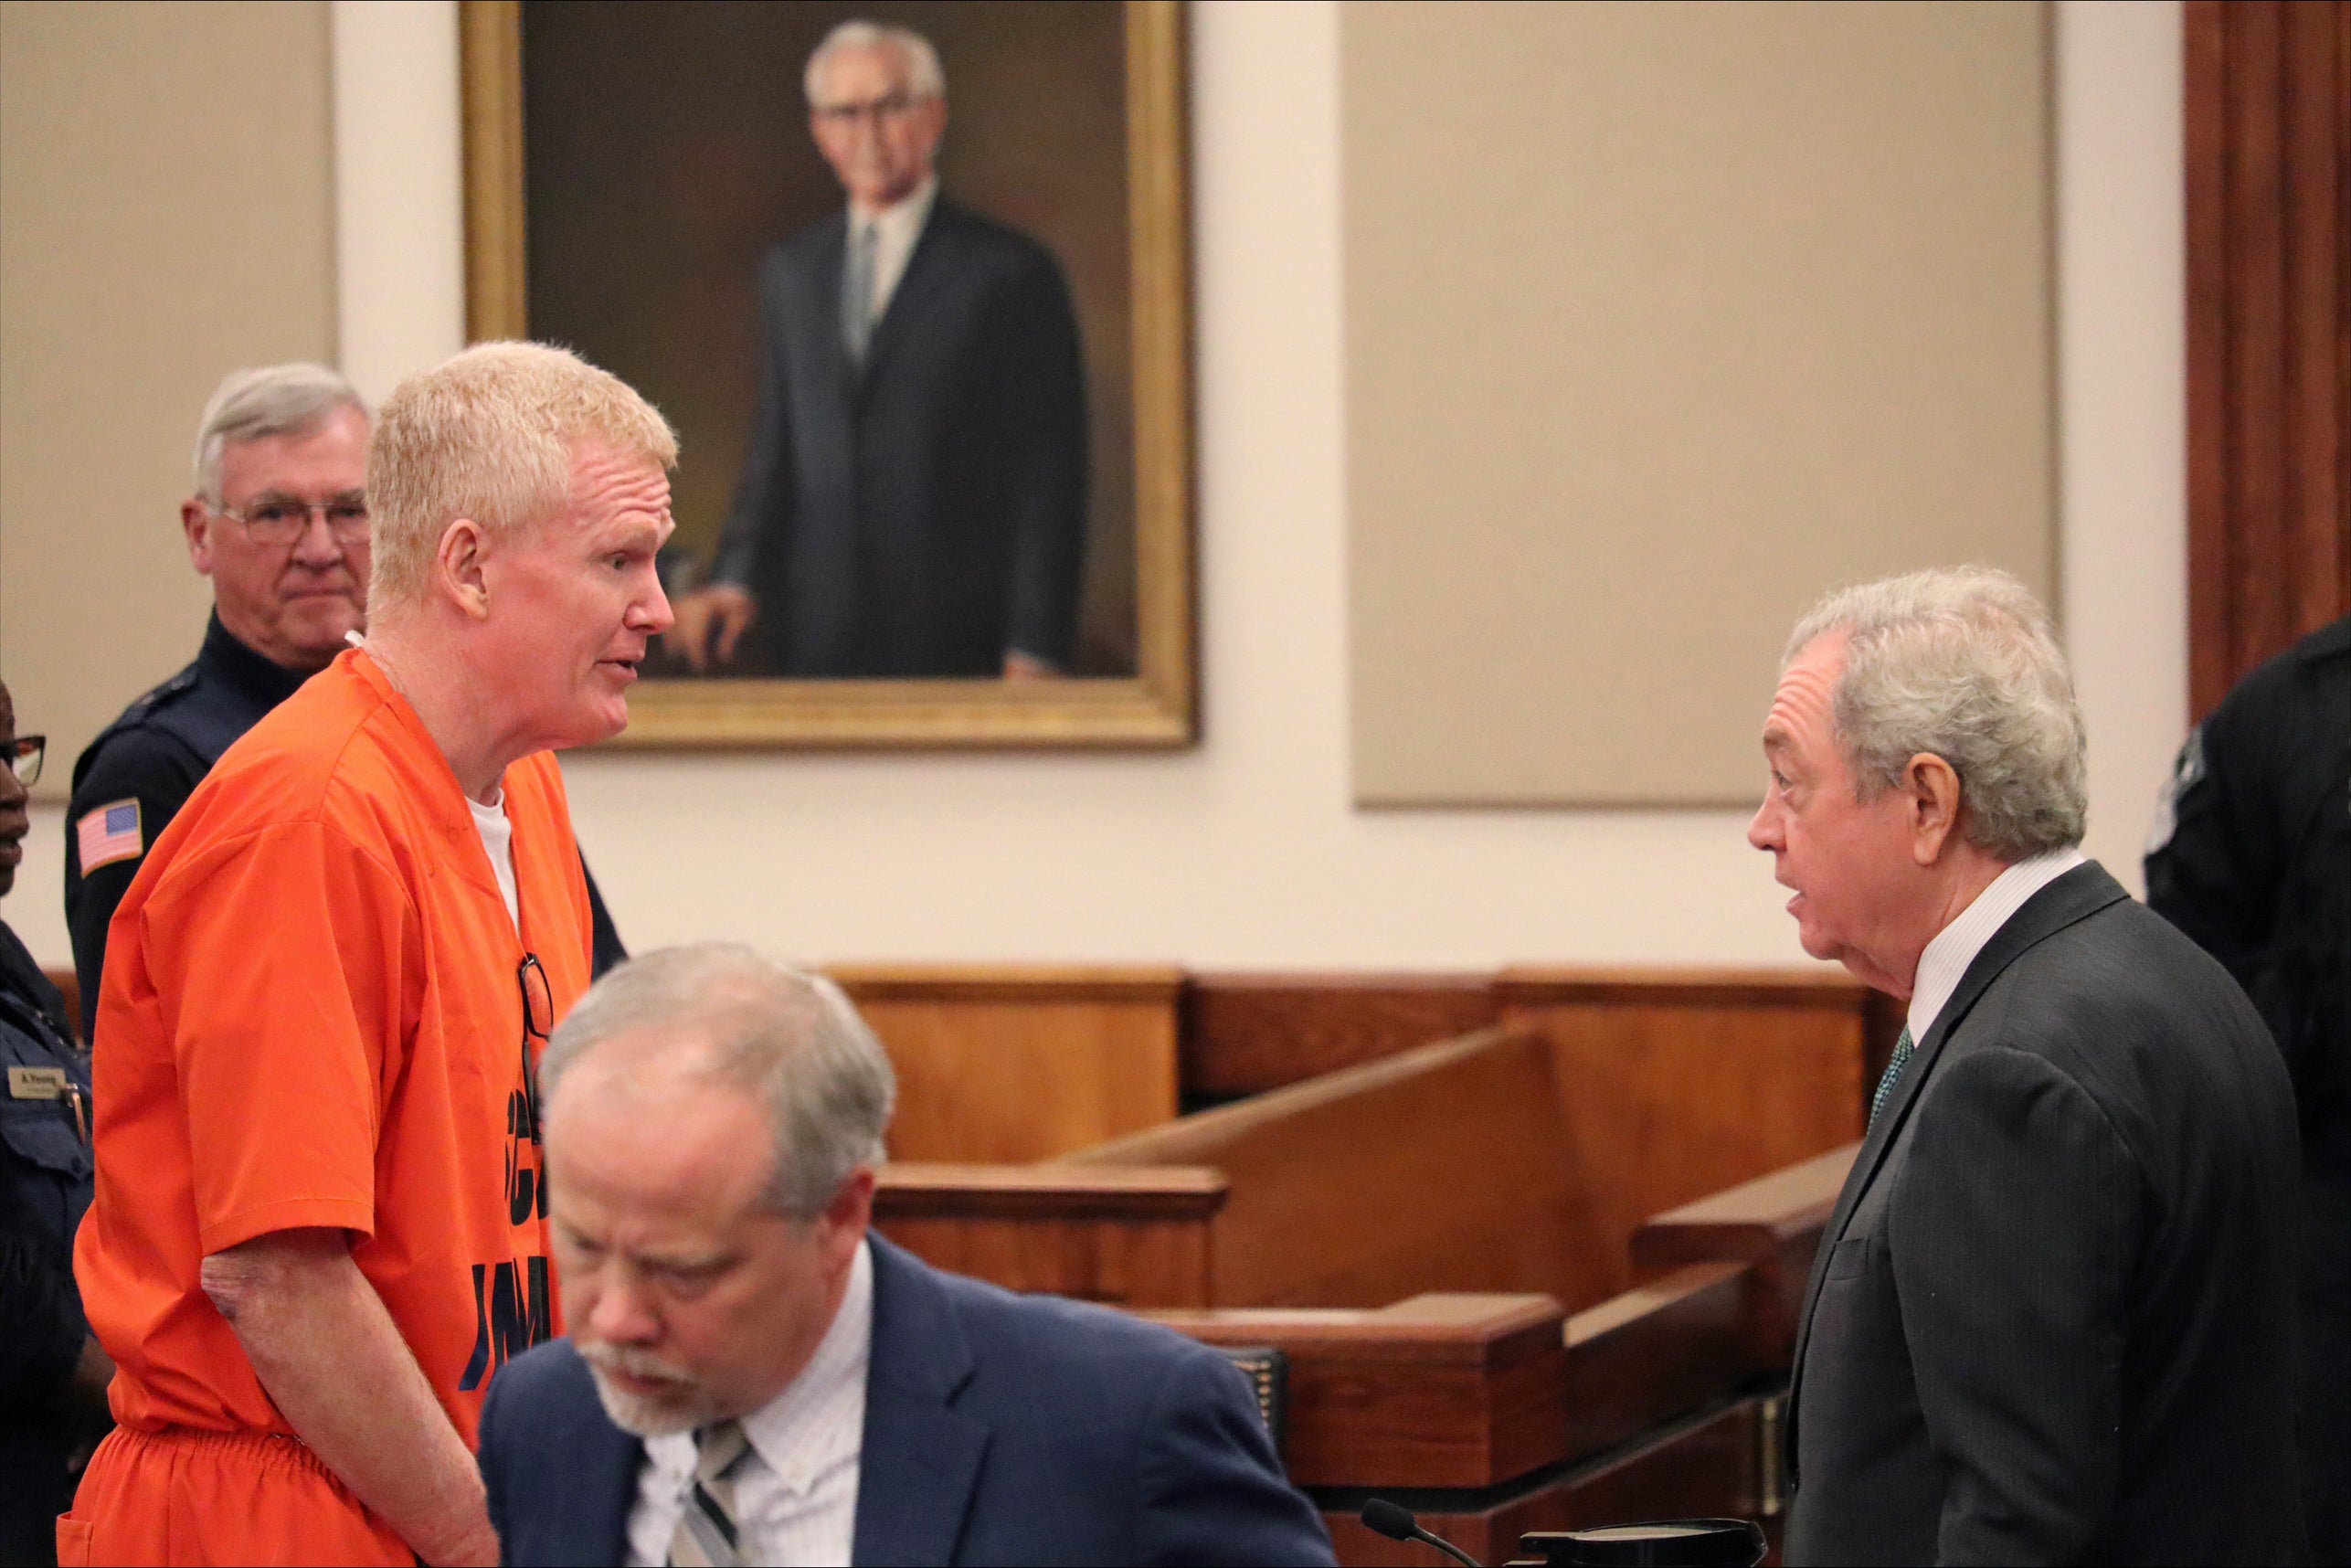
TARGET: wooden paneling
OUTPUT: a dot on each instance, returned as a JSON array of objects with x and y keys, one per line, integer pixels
[
  {"x": 1708, "y": 1466},
  {"x": 1442, "y": 1168},
  {"x": 1771, "y": 1225},
  {"x": 1501, "y": 1162},
  {"x": 1126, "y": 1237},
  {"x": 1660, "y": 1349},
  {"x": 2268, "y": 148},
  {"x": 1019, "y": 1064},
  {"x": 1440, "y": 1390},
  {"x": 1673, "y": 1086},
  {"x": 1245, "y": 1034}
]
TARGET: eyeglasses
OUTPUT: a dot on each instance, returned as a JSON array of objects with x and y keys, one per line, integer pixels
[
  {"x": 23, "y": 755},
  {"x": 281, "y": 520},
  {"x": 897, "y": 106}
]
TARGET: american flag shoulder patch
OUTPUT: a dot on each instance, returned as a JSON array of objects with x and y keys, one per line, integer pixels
[{"x": 109, "y": 833}]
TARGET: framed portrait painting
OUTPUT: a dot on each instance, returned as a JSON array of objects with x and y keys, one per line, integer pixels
[{"x": 911, "y": 280}]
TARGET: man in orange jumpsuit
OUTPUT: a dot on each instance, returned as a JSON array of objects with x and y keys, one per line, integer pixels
[{"x": 319, "y": 1228}]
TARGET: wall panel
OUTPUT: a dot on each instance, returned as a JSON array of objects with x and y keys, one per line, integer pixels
[
  {"x": 1661, "y": 319},
  {"x": 165, "y": 185}
]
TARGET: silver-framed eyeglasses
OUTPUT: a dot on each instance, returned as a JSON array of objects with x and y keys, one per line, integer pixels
[
  {"x": 897, "y": 106},
  {"x": 23, "y": 756},
  {"x": 274, "y": 519}
]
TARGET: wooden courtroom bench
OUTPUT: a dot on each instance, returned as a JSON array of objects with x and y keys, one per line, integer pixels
[
  {"x": 1771, "y": 1226},
  {"x": 1490, "y": 1415},
  {"x": 1494, "y": 1414},
  {"x": 1440, "y": 1167},
  {"x": 1020, "y": 1063}
]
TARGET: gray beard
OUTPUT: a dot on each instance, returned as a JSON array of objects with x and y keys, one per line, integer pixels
[{"x": 651, "y": 1418}]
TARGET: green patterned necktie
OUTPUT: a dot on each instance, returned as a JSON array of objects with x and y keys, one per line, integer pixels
[{"x": 1894, "y": 1075}]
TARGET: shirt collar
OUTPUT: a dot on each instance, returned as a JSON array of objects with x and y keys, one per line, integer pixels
[
  {"x": 225, "y": 658},
  {"x": 1944, "y": 963},
  {"x": 903, "y": 219},
  {"x": 791, "y": 1428}
]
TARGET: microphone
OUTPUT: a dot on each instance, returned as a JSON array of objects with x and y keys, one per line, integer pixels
[{"x": 1398, "y": 1524}]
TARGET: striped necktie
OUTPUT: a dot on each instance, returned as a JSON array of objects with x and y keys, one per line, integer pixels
[
  {"x": 706, "y": 1534},
  {"x": 1894, "y": 1075}
]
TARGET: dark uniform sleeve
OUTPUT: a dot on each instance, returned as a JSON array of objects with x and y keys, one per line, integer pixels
[
  {"x": 140, "y": 764},
  {"x": 606, "y": 950},
  {"x": 43, "y": 1311},
  {"x": 2214, "y": 860},
  {"x": 45, "y": 1186}
]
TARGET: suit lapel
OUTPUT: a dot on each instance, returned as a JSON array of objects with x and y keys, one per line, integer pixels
[
  {"x": 931, "y": 262},
  {"x": 607, "y": 1473},
  {"x": 2075, "y": 896},
  {"x": 831, "y": 256},
  {"x": 921, "y": 1459},
  {"x": 597, "y": 1475}
]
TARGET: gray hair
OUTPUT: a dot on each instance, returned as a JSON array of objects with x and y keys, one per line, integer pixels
[
  {"x": 275, "y": 401},
  {"x": 1965, "y": 665},
  {"x": 791, "y": 1039},
  {"x": 922, "y": 73}
]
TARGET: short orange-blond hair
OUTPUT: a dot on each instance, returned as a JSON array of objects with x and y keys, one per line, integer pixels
[{"x": 490, "y": 435}]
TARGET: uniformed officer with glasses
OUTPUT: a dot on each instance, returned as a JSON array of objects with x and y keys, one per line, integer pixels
[
  {"x": 53, "y": 1375},
  {"x": 279, "y": 521}
]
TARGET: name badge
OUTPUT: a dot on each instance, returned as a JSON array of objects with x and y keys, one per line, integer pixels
[{"x": 37, "y": 1084}]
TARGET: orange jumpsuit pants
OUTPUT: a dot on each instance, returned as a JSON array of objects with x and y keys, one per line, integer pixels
[{"x": 186, "y": 1496}]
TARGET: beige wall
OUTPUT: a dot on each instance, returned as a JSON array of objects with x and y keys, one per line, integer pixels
[
  {"x": 1247, "y": 852},
  {"x": 1661, "y": 320},
  {"x": 166, "y": 214}
]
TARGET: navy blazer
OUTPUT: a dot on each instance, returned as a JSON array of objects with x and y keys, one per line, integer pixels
[{"x": 998, "y": 1428}]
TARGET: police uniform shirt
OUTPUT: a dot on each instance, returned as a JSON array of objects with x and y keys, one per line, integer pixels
[
  {"x": 44, "y": 1188},
  {"x": 2250, "y": 855},
  {"x": 131, "y": 781}
]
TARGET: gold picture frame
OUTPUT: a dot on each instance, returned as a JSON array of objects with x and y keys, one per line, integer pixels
[{"x": 1157, "y": 705}]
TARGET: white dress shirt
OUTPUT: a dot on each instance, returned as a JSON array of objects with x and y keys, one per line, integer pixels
[
  {"x": 1944, "y": 963},
  {"x": 795, "y": 1490},
  {"x": 897, "y": 228}
]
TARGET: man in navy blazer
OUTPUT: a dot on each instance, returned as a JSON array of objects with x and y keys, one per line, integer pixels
[{"x": 751, "y": 1377}]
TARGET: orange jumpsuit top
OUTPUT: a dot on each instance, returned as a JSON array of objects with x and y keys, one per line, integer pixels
[{"x": 313, "y": 1015}]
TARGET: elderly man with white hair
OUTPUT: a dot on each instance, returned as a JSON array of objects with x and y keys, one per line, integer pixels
[
  {"x": 752, "y": 1376},
  {"x": 913, "y": 500},
  {"x": 320, "y": 1223},
  {"x": 2051, "y": 1317}
]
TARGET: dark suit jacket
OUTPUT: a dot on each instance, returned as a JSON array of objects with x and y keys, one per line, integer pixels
[
  {"x": 2049, "y": 1322},
  {"x": 998, "y": 1428},
  {"x": 926, "y": 515}
]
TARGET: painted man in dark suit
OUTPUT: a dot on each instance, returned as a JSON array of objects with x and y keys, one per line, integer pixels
[
  {"x": 913, "y": 499},
  {"x": 751, "y": 1376},
  {"x": 2051, "y": 1317}
]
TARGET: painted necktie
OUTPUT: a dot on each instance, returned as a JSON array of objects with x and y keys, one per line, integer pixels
[{"x": 857, "y": 293}]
